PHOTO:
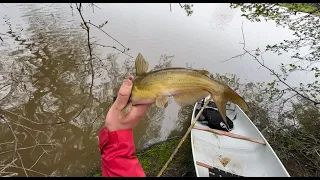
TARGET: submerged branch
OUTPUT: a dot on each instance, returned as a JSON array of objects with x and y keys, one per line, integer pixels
[{"x": 33, "y": 122}]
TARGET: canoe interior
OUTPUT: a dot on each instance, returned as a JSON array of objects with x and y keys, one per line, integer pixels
[{"x": 246, "y": 158}]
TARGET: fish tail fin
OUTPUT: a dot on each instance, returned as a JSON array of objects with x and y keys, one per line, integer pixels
[
  {"x": 228, "y": 95},
  {"x": 236, "y": 99}
]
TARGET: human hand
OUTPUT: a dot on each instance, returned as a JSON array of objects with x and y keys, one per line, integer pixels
[{"x": 113, "y": 120}]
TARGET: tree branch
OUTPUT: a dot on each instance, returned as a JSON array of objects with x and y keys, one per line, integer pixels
[
  {"x": 108, "y": 35},
  {"x": 90, "y": 58},
  {"x": 273, "y": 72},
  {"x": 114, "y": 48}
]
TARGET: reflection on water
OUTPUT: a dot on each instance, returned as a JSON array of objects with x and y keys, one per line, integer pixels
[
  {"x": 45, "y": 75},
  {"x": 45, "y": 83}
]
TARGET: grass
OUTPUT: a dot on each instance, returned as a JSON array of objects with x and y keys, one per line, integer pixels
[
  {"x": 301, "y": 7},
  {"x": 154, "y": 158}
]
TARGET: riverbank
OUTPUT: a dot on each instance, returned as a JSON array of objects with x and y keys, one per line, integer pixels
[{"x": 156, "y": 156}]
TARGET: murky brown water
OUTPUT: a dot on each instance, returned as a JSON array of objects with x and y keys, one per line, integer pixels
[{"x": 47, "y": 93}]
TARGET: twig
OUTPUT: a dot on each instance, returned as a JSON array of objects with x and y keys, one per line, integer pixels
[
  {"x": 8, "y": 165},
  {"x": 37, "y": 160},
  {"x": 108, "y": 35},
  {"x": 1, "y": 39},
  {"x": 24, "y": 148},
  {"x": 7, "y": 143},
  {"x": 35, "y": 141},
  {"x": 224, "y": 133},
  {"x": 272, "y": 71},
  {"x": 183, "y": 138},
  {"x": 90, "y": 54},
  {"x": 28, "y": 170},
  {"x": 24, "y": 169},
  {"x": 33, "y": 130},
  {"x": 264, "y": 129},
  {"x": 11, "y": 175},
  {"x": 98, "y": 116},
  {"x": 170, "y": 7},
  {"x": 14, "y": 136},
  {"x": 317, "y": 153},
  {"x": 31, "y": 120},
  {"x": 114, "y": 48}
]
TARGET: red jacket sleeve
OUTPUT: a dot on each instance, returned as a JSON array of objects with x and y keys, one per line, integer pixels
[{"x": 117, "y": 154}]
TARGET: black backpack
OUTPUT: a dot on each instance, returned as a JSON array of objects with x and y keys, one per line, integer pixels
[{"x": 212, "y": 118}]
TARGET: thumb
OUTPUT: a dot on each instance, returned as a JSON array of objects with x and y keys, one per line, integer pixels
[{"x": 123, "y": 95}]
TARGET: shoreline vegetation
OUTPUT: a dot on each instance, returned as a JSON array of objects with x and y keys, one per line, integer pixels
[
  {"x": 153, "y": 158},
  {"x": 302, "y": 7}
]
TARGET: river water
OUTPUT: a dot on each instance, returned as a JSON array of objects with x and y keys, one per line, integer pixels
[{"x": 46, "y": 74}]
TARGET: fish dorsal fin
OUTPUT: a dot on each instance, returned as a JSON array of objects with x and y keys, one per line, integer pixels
[
  {"x": 204, "y": 72},
  {"x": 141, "y": 65},
  {"x": 189, "y": 97},
  {"x": 162, "y": 101}
]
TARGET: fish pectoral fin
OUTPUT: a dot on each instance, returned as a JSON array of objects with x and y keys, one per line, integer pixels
[
  {"x": 221, "y": 105},
  {"x": 204, "y": 72},
  {"x": 162, "y": 101},
  {"x": 141, "y": 65},
  {"x": 189, "y": 97}
]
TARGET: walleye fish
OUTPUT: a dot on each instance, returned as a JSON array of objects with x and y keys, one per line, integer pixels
[{"x": 186, "y": 86}]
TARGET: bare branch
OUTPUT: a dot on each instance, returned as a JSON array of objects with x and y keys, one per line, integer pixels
[
  {"x": 273, "y": 72},
  {"x": 91, "y": 58},
  {"x": 109, "y": 35},
  {"x": 114, "y": 48}
]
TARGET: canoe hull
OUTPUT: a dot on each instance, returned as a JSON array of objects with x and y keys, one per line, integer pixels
[{"x": 234, "y": 156}]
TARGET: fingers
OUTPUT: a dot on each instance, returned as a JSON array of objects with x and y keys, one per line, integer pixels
[
  {"x": 123, "y": 95},
  {"x": 137, "y": 112},
  {"x": 131, "y": 78}
]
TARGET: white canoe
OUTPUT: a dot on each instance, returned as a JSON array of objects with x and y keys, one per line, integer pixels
[{"x": 248, "y": 159}]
